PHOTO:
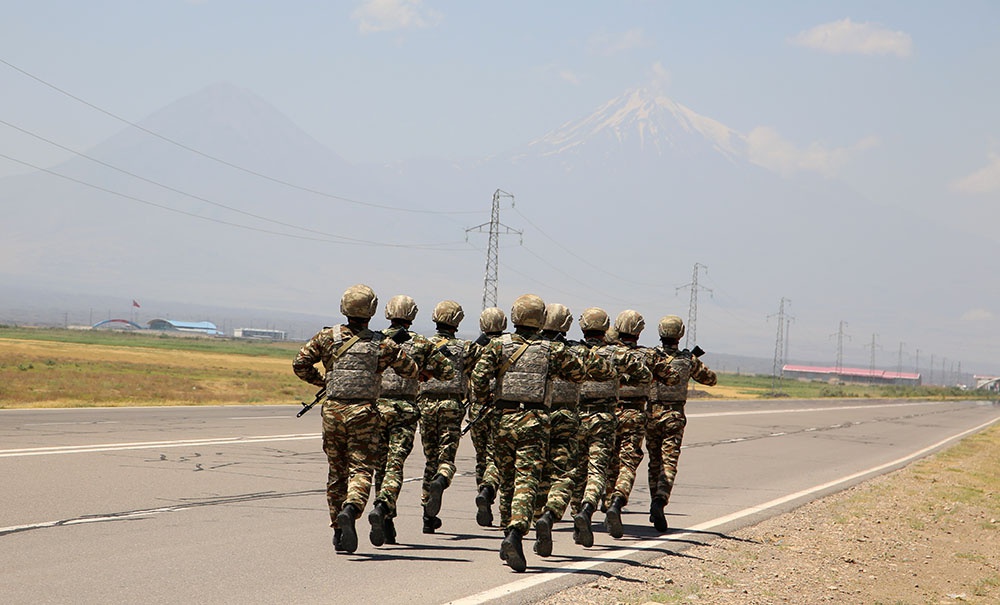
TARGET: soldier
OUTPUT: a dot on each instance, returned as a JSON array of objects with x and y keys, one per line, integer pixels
[
  {"x": 398, "y": 407},
  {"x": 441, "y": 411},
  {"x": 556, "y": 485},
  {"x": 631, "y": 423},
  {"x": 521, "y": 363},
  {"x": 665, "y": 426},
  {"x": 598, "y": 401},
  {"x": 353, "y": 358},
  {"x": 483, "y": 422}
]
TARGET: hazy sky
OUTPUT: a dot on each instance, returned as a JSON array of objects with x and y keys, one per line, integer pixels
[{"x": 897, "y": 99}]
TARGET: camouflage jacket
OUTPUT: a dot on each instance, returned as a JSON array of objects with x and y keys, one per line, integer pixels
[
  {"x": 628, "y": 363},
  {"x": 562, "y": 363},
  {"x": 431, "y": 363},
  {"x": 458, "y": 353},
  {"x": 323, "y": 345}
]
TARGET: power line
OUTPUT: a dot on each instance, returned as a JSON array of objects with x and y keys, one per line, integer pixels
[
  {"x": 225, "y": 162},
  {"x": 345, "y": 240}
]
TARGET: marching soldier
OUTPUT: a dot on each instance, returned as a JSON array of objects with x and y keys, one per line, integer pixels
[
  {"x": 598, "y": 403},
  {"x": 665, "y": 426},
  {"x": 520, "y": 363},
  {"x": 354, "y": 359},
  {"x": 631, "y": 423},
  {"x": 398, "y": 408},
  {"x": 556, "y": 486},
  {"x": 483, "y": 423},
  {"x": 441, "y": 411}
]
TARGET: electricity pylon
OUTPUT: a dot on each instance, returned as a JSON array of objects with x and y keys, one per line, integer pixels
[
  {"x": 493, "y": 248},
  {"x": 691, "y": 334}
]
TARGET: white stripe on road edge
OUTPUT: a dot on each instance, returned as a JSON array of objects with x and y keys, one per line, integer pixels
[
  {"x": 832, "y": 409},
  {"x": 535, "y": 580},
  {"x": 147, "y": 445}
]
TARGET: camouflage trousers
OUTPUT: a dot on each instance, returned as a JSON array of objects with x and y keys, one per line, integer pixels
[
  {"x": 482, "y": 440},
  {"x": 399, "y": 425},
  {"x": 555, "y": 488},
  {"x": 440, "y": 432},
  {"x": 627, "y": 452},
  {"x": 595, "y": 442},
  {"x": 350, "y": 440},
  {"x": 664, "y": 432},
  {"x": 519, "y": 448}
]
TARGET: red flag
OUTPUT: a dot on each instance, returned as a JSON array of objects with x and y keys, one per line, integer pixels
[{"x": 135, "y": 304}]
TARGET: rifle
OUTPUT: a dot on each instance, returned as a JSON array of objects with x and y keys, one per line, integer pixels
[
  {"x": 308, "y": 406},
  {"x": 483, "y": 411}
]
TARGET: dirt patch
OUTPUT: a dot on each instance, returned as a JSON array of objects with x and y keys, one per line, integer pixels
[{"x": 929, "y": 533}]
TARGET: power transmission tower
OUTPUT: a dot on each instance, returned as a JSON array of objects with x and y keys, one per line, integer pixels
[
  {"x": 778, "y": 347},
  {"x": 899, "y": 362},
  {"x": 493, "y": 248},
  {"x": 871, "y": 365},
  {"x": 691, "y": 332},
  {"x": 840, "y": 345},
  {"x": 930, "y": 376}
]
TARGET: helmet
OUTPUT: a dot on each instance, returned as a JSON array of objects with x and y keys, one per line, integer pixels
[
  {"x": 671, "y": 326},
  {"x": 595, "y": 318},
  {"x": 611, "y": 336},
  {"x": 402, "y": 307},
  {"x": 359, "y": 301},
  {"x": 630, "y": 323},
  {"x": 558, "y": 318},
  {"x": 528, "y": 311},
  {"x": 449, "y": 313},
  {"x": 492, "y": 320}
]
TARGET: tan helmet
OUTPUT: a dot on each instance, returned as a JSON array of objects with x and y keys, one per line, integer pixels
[
  {"x": 359, "y": 301},
  {"x": 492, "y": 320},
  {"x": 402, "y": 307},
  {"x": 630, "y": 323},
  {"x": 611, "y": 336},
  {"x": 528, "y": 311},
  {"x": 671, "y": 326},
  {"x": 595, "y": 318},
  {"x": 449, "y": 313},
  {"x": 558, "y": 318}
]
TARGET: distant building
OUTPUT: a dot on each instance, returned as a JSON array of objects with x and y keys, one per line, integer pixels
[
  {"x": 203, "y": 328},
  {"x": 851, "y": 375},
  {"x": 987, "y": 383},
  {"x": 259, "y": 333}
]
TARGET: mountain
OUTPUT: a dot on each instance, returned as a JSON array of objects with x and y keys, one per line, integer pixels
[{"x": 616, "y": 208}]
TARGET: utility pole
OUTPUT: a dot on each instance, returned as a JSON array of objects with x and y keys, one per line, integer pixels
[
  {"x": 778, "y": 347},
  {"x": 690, "y": 335},
  {"x": 916, "y": 365},
  {"x": 788, "y": 329},
  {"x": 493, "y": 248},
  {"x": 930, "y": 377},
  {"x": 871, "y": 365},
  {"x": 840, "y": 346},
  {"x": 899, "y": 363}
]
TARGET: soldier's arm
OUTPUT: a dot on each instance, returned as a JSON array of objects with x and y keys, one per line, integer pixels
[
  {"x": 435, "y": 363},
  {"x": 566, "y": 364},
  {"x": 598, "y": 368},
  {"x": 304, "y": 364},
  {"x": 703, "y": 375},
  {"x": 659, "y": 365},
  {"x": 636, "y": 371},
  {"x": 395, "y": 357},
  {"x": 485, "y": 369}
]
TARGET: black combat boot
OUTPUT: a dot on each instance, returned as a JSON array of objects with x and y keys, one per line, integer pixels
[
  {"x": 434, "y": 491},
  {"x": 582, "y": 532},
  {"x": 613, "y": 520},
  {"x": 511, "y": 551},
  {"x": 380, "y": 512},
  {"x": 656, "y": 516},
  {"x": 390, "y": 531},
  {"x": 503, "y": 555},
  {"x": 484, "y": 506},
  {"x": 431, "y": 523},
  {"x": 543, "y": 533},
  {"x": 337, "y": 535},
  {"x": 345, "y": 522}
]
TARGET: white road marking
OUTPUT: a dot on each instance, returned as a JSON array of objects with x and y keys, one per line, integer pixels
[
  {"x": 537, "y": 579},
  {"x": 832, "y": 409},
  {"x": 146, "y": 445},
  {"x": 64, "y": 423}
]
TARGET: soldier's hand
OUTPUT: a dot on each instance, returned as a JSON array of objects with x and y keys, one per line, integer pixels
[{"x": 425, "y": 375}]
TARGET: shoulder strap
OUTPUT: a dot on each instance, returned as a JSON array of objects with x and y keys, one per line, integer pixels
[
  {"x": 347, "y": 345},
  {"x": 513, "y": 358}
]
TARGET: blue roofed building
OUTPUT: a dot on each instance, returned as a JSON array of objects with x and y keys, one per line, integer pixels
[{"x": 204, "y": 328}]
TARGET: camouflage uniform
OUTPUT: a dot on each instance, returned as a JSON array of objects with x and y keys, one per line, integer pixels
[
  {"x": 665, "y": 428},
  {"x": 483, "y": 420},
  {"x": 400, "y": 414},
  {"x": 350, "y": 423},
  {"x": 441, "y": 411},
  {"x": 522, "y": 432}
]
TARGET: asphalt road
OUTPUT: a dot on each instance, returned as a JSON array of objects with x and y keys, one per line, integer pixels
[{"x": 227, "y": 505}]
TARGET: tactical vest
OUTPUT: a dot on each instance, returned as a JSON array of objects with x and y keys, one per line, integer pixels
[
  {"x": 524, "y": 381},
  {"x": 636, "y": 390},
  {"x": 394, "y": 385},
  {"x": 354, "y": 375},
  {"x": 454, "y": 350},
  {"x": 608, "y": 389},
  {"x": 681, "y": 364}
]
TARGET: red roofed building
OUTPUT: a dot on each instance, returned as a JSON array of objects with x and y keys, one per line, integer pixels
[{"x": 832, "y": 373}]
